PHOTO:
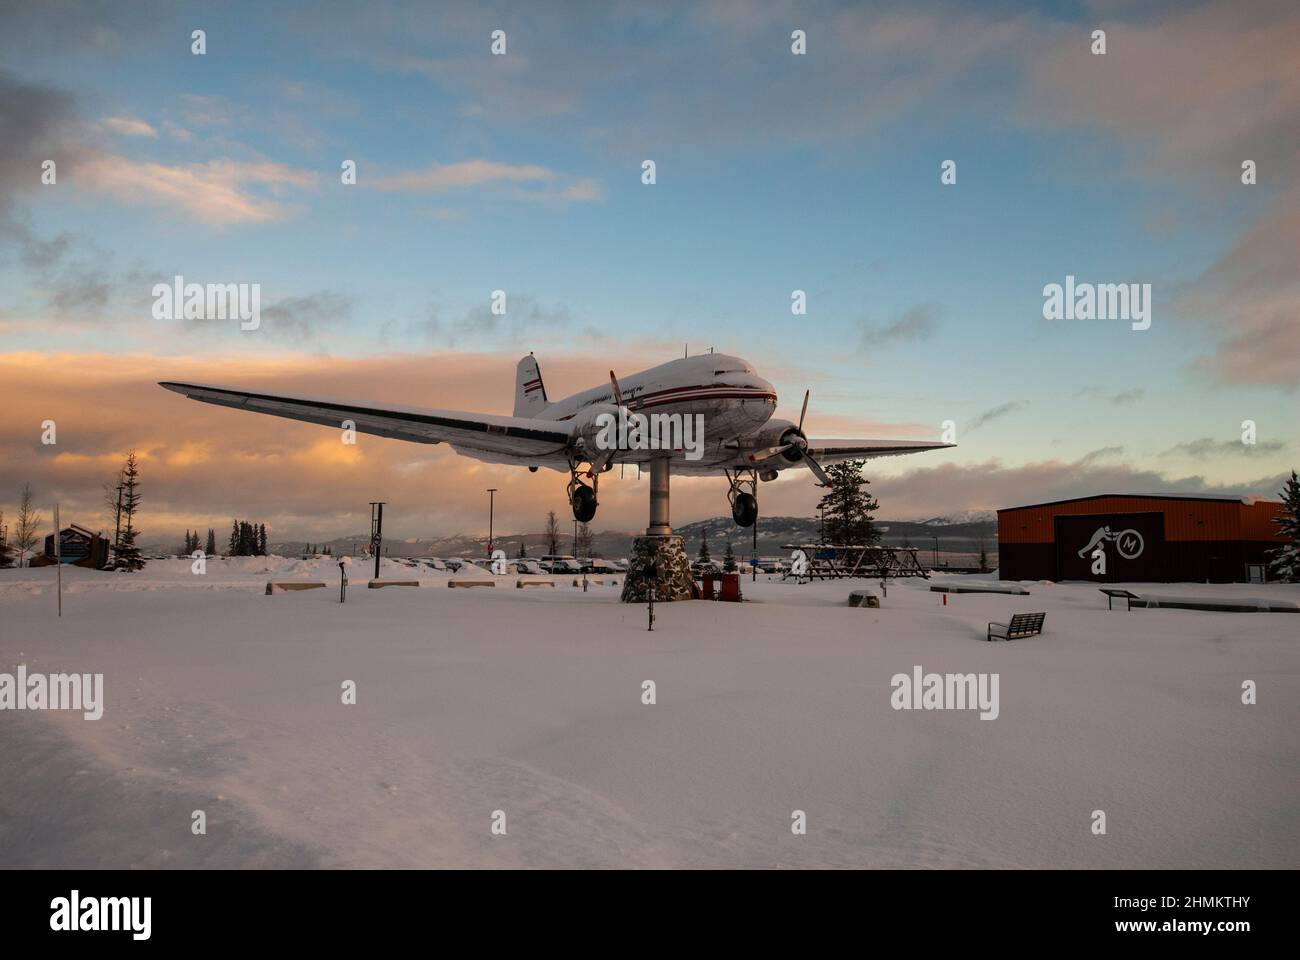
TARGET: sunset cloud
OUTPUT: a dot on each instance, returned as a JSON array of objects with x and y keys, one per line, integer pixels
[
  {"x": 203, "y": 465},
  {"x": 469, "y": 174},
  {"x": 218, "y": 192}
]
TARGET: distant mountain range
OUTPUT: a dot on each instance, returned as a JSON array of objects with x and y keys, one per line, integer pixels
[{"x": 961, "y": 533}]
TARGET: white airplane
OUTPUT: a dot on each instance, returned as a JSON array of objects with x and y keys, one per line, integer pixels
[{"x": 740, "y": 437}]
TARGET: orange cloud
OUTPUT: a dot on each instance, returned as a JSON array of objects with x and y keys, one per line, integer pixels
[{"x": 218, "y": 192}]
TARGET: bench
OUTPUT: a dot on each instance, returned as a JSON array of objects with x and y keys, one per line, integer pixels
[
  {"x": 471, "y": 583},
  {"x": 1113, "y": 592},
  {"x": 283, "y": 586},
  {"x": 1022, "y": 625},
  {"x": 863, "y": 598},
  {"x": 521, "y": 584}
]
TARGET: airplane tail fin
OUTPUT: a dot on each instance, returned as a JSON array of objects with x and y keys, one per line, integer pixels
[{"x": 530, "y": 392}]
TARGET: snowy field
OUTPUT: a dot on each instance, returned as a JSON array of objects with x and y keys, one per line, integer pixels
[{"x": 219, "y": 698}]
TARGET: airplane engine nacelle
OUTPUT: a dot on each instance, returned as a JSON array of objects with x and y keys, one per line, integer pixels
[{"x": 778, "y": 433}]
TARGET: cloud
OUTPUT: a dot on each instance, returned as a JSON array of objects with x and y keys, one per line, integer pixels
[
  {"x": 988, "y": 416},
  {"x": 203, "y": 465},
  {"x": 218, "y": 192},
  {"x": 1101, "y": 453},
  {"x": 915, "y": 323},
  {"x": 1207, "y": 447},
  {"x": 1250, "y": 299},
  {"x": 524, "y": 316},
  {"x": 470, "y": 174},
  {"x": 36, "y": 124},
  {"x": 953, "y": 487},
  {"x": 129, "y": 126},
  {"x": 1192, "y": 93},
  {"x": 298, "y": 318}
]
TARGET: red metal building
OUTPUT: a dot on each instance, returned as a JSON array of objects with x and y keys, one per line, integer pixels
[{"x": 1113, "y": 538}]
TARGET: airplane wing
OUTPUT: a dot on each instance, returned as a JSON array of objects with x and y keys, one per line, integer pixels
[
  {"x": 833, "y": 451},
  {"x": 505, "y": 437}
]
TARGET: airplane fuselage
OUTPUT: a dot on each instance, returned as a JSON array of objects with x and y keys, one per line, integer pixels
[{"x": 733, "y": 400}]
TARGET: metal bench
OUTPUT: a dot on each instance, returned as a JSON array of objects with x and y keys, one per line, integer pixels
[
  {"x": 1113, "y": 592},
  {"x": 1022, "y": 625}
]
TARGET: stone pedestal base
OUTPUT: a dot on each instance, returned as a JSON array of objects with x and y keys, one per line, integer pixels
[{"x": 674, "y": 580}]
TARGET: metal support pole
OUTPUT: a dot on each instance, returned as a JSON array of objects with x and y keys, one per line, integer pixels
[
  {"x": 58, "y": 556},
  {"x": 492, "y": 497},
  {"x": 377, "y": 531},
  {"x": 659, "y": 526}
]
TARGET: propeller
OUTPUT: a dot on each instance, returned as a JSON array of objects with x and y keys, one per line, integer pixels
[
  {"x": 599, "y": 462},
  {"x": 798, "y": 447}
]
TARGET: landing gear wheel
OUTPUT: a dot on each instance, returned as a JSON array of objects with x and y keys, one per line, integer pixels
[
  {"x": 583, "y": 500},
  {"x": 744, "y": 504},
  {"x": 744, "y": 509}
]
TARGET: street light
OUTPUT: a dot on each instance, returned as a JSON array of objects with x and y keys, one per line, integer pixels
[
  {"x": 492, "y": 498},
  {"x": 936, "y": 552}
]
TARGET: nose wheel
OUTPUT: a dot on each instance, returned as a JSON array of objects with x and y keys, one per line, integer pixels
[{"x": 744, "y": 502}]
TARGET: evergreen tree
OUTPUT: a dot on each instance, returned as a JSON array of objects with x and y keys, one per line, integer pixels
[
  {"x": 523, "y": 551},
  {"x": 984, "y": 558},
  {"x": 211, "y": 548},
  {"x": 703, "y": 555},
  {"x": 127, "y": 553},
  {"x": 849, "y": 506},
  {"x": 729, "y": 559},
  {"x": 1284, "y": 561},
  {"x": 232, "y": 549},
  {"x": 261, "y": 540}
]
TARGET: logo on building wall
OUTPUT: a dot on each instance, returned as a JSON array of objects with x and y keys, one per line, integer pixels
[{"x": 1128, "y": 544}]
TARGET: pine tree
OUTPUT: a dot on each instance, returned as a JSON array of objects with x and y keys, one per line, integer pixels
[
  {"x": 1284, "y": 561},
  {"x": 703, "y": 555},
  {"x": 127, "y": 553},
  {"x": 233, "y": 549},
  {"x": 523, "y": 551},
  {"x": 211, "y": 548},
  {"x": 729, "y": 559},
  {"x": 849, "y": 506},
  {"x": 261, "y": 540},
  {"x": 984, "y": 558}
]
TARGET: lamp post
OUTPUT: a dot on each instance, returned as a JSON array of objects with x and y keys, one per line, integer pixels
[
  {"x": 492, "y": 497},
  {"x": 936, "y": 552}
]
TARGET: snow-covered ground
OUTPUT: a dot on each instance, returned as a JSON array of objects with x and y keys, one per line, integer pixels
[{"x": 219, "y": 698}]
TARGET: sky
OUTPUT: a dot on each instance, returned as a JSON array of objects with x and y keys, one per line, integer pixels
[{"x": 522, "y": 172}]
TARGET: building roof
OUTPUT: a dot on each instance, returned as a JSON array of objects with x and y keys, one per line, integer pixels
[{"x": 1214, "y": 498}]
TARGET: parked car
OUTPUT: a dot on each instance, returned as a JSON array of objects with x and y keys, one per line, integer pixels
[
  {"x": 526, "y": 567},
  {"x": 434, "y": 563}
]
